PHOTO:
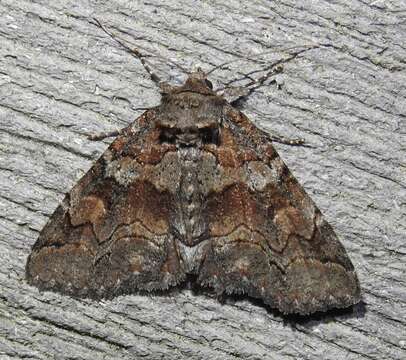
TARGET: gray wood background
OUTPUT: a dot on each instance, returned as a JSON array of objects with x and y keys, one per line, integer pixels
[{"x": 61, "y": 78}]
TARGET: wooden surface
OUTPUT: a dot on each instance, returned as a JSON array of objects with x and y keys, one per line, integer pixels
[{"x": 61, "y": 78}]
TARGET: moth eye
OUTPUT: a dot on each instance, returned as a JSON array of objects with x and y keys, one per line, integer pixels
[
  {"x": 209, "y": 83},
  {"x": 210, "y": 136},
  {"x": 167, "y": 136}
]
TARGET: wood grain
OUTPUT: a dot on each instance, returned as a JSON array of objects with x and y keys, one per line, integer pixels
[{"x": 61, "y": 79}]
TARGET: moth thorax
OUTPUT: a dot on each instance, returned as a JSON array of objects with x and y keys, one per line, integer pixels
[
  {"x": 191, "y": 136},
  {"x": 190, "y": 224}
]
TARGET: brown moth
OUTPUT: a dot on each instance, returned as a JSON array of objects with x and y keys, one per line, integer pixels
[{"x": 193, "y": 187}]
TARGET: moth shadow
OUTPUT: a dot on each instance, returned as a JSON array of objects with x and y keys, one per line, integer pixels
[{"x": 356, "y": 311}]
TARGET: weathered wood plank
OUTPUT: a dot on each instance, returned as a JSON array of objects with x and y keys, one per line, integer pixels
[{"x": 61, "y": 78}]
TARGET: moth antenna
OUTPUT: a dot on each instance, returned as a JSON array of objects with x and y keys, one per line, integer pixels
[
  {"x": 134, "y": 52},
  {"x": 234, "y": 61},
  {"x": 230, "y": 62},
  {"x": 137, "y": 54},
  {"x": 307, "y": 47},
  {"x": 272, "y": 69},
  {"x": 254, "y": 84},
  {"x": 275, "y": 69},
  {"x": 221, "y": 65}
]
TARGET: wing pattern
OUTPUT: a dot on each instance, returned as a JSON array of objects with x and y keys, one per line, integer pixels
[{"x": 193, "y": 187}]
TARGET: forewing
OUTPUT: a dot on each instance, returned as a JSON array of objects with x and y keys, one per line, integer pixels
[
  {"x": 268, "y": 239},
  {"x": 111, "y": 233}
]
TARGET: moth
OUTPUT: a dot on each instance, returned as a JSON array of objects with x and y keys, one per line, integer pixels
[{"x": 192, "y": 187}]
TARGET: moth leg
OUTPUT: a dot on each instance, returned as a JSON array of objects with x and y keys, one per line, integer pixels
[
  {"x": 286, "y": 141},
  {"x": 104, "y": 135}
]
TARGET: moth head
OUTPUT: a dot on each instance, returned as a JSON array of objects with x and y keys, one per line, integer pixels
[
  {"x": 190, "y": 115},
  {"x": 196, "y": 82}
]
